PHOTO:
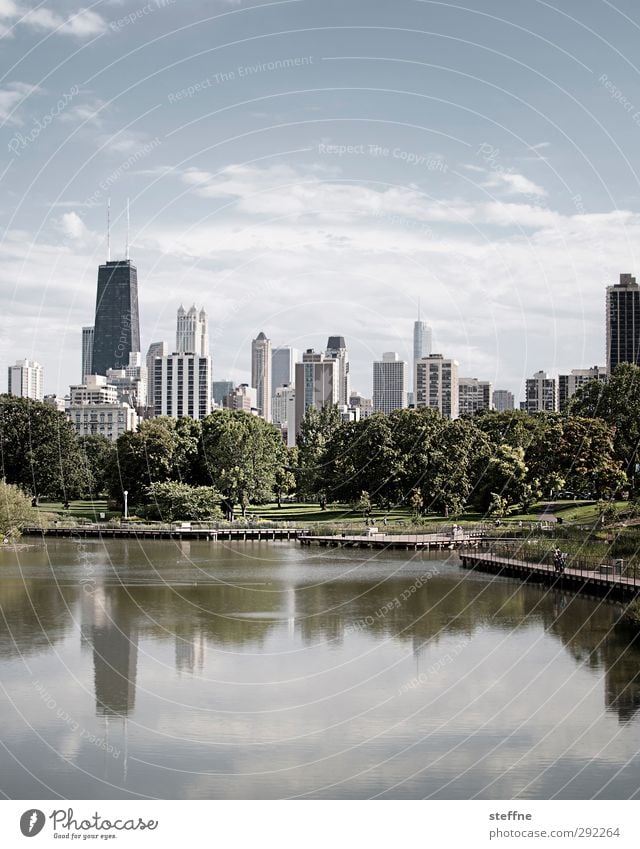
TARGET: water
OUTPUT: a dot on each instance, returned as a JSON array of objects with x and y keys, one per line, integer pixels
[{"x": 263, "y": 670}]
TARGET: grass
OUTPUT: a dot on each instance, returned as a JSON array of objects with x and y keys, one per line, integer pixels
[{"x": 89, "y": 509}]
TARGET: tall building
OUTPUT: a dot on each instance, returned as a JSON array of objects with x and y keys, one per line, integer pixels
[
  {"x": 220, "y": 389},
  {"x": 283, "y": 367},
  {"x": 94, "y": 409},
  {"x": 182, "y": 385},
  {"x": 25, "y": 379},
  {"x": 503, "y": 400},
  {"x": 473, "y": 395},
  {"x": 284, "y": 412},
  {"x": 365, "y": 405},
  {"x": 117, "y": 326},
  {"x": 568, "y": 384},
  {"x": 436, "y": 382},
  {"x": 131, "y": 382},
  {"x": 389, "y": 383},
  {"x": 316, "y": 384},
  {"x": 261, "y": 374},
  {"x": 337, "y": 350},
  {"x": 541, "y": 393},
  {"x": 243, "y": 397},
  {"x": 192, "y": 332},
  {"x": 95, "y": 389},
  {"x": 87, "y": 352},
  {"x": 422, "y": 343},
  {"x": 623, "y": 322},
  {"x": 156, "y": 349}
]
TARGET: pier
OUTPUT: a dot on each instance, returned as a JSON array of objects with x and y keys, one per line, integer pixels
[
  {"x": 604, "y": 580},
  {"x": 182, "y": 531},
  {"x": 405, "y": 542}
]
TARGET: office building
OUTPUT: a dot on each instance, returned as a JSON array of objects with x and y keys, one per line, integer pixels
[
  {"x": 94, "y": 390},
  {"x": 503, "y": 400},
  {"x": 261, "y": 374},
  {"x": 337, "y": 350},
  {"x": 219, "y": 389},
  {"x": 436, "y": 382},
  {"x": 422, "y": 346},
  {"x": 541, "y": 393},
  {"x": 102, "y": 419},
  {"x": 87, "y": 352},
  {"x": 182, "y": 385},
  {"x": 25, "y": 379},
  {"x": 623, "y": 322},
  {"x": 389, "y": 383},
  {"x": 365, "y": 405},
  {"x": 243, "y": 397},
  {"x": 156, "y": 349},
  {"x": 473, "y": 395},
  {"x": 116, "y": 327},
  {"x": 568, "y": 384},
  {"x": 55, "y": 401},
  {"x": 283, "y": 367},
  {"x": 131, "y": 382},
  {"x": 316, "y": 384},
  {"x": 284, "y": 412},
  {"x": 192, "y": 332}
]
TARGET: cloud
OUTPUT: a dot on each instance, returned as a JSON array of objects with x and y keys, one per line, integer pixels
[
  {"x": 514, "y": 184},
  {"x": 82, "y": 24},
  {"x": 11, "y": 96},
  {"x": 72, "y": 226}
]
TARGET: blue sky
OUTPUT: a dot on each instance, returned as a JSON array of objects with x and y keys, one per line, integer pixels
[{"x": 314, "y": 167}]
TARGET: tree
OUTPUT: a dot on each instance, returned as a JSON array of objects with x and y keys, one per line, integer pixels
[
  {"x": 171, "y": 501},
  {"x": 450, "y": 478},
  {"x": 363, "y": 504},
  {"x": 15, "y": 510},
  {"x": 415, "y": 433},
  {"x": 142, "y": 458},
  {"x": 505, "y": 477},
  {"x": 317, "y": 429},
  {"x": 285, "y": 479},
  {"x": 417, "y": 502},
  {"x": 39, "y": 451},
  {"x": 98, "y": 455},
  {"x": 242, "y": 454}
]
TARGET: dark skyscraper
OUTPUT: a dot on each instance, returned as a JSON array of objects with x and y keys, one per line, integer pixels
[
  {"x": 117, "y": 326},
  {"x": 623, "y": 322}
]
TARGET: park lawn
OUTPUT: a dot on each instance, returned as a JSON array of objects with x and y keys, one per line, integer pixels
[{"x": 89, "y": 509}]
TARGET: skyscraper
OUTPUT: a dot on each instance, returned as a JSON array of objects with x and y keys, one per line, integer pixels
[
  {"x": 503, "y": 400},
  {"x": 568, "y": 384},
  {"x": 422, "y": 343},
  {"x": 117, "y": 325},
  {"x": 25, "y": 379},
  {"x": 541, "y": 393},
  {"x": 87, "y": 352},
  {"x": 436, "y": 381},
  {"x": 261, "y": 374},
  {"x": 337, "y": 350},
  {"x": 389, "y": 383},
  {"x": 623, "y": 322},
  {"x": 283, "y": 367},
  {"x": 473, "y": 395},
  {"x": 156, "y": 349},
  {"x": 182, "y": 385},
  {"x": 192, "y": 332},
  {"x": 316, "y": 384}
]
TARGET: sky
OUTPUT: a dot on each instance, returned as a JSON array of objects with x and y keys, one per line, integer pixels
[{"x": 322, "y": 167}]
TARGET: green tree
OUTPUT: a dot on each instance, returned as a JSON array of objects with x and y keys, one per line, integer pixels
[
  {"x": 317, "y": 429},
  {"x": 15, "y": 510},
  {"x": 39, "y": 451},
  {"x": 98, "y": 455},
  {"x": 415, "y": 434},
  {"x": 504, "y": 476},
  {"x": 142, "y": 458},
  {"x": 285, "y": 477},
  {"x": 242, "y": 455},
  {"x": 171, "y": 501}
]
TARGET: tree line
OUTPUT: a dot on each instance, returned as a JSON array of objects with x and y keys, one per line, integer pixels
[{"x": 490, "y": 462}]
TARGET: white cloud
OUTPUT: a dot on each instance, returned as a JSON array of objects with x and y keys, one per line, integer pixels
[
  {"x": 82, "y": 24},
  {"x": 72, "y": 226},
  {"x": 10, "y": 97},
  {"x": 514, "y": 184}
]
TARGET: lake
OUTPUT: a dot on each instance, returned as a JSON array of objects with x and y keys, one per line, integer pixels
[{"x": 264, "y": 670}]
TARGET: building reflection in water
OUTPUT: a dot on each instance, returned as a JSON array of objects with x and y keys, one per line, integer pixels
[{"x": 190, "y": 652}]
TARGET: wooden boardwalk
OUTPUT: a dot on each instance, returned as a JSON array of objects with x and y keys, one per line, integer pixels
[
  {"x": 139, "y": 531},
  {"x": 590, "y": 581},
  {"x": 406, "y": 542}
]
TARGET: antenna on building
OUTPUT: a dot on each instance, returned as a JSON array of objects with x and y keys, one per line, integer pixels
[
  {"x": 108, "y": 229},
  {"x": 128, "y": 227}
]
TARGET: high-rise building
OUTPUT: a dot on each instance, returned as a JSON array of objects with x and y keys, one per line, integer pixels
[
  {"x": 389, "y": 383},
  {"x": 220, "y": 389},
  {"x": 117, "y": 326},
  {"x": 283, "y": 367},
  {"x": 422, "y": 344},
  {"x": 182, "y": 385},
  {"x": 87, "y": 352},
  {"x": 243, "y": 397},
  {"x": 541, "y": 393},
  {"x": 623, "y": 322},
  {"x": 192, "y": 332},
  {"x": 284, "y": 412},
  {"x": 131, "y": 382},
  {"x": 316, "y": 384},
  {"x": 503, "y": 400},
  {"x": 473, "y": 395},
  {"x": 436, "y": 382},
  {"x": 568, "y": 384},
  {"x": 337, "y": 350},
  {"x": 365, "y": 405},
  {"x": 261, "y": 374},
  {"x": 156, "y": 349},
  {"x": 25, "y": 379}
]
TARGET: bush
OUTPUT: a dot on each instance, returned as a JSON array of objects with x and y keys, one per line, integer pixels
[
  {"x": 15, "y": 510},
  {"x": 171, "y": 502}
]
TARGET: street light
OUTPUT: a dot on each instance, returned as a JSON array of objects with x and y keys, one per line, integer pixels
[{"x": 126, "y": 509}]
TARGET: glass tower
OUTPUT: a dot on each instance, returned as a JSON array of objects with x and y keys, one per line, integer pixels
[{"x": 117, "y": 325}]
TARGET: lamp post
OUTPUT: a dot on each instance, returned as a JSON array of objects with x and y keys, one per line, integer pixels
[{"x": 126, "y": 506}]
